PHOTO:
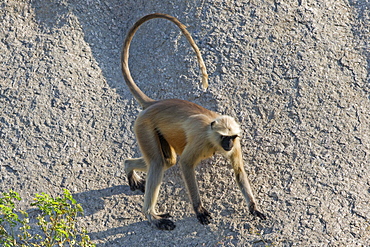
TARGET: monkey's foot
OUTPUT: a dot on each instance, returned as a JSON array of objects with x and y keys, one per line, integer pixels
[
  {"x": 259, "y": 214},
  {"x": 255, "y": 212},
  {"x": 165, "y": 216},
  {"x": 163, "y": 223},
  {"x": 135, "y": 182},
  {"x": 203, "y": 216}
]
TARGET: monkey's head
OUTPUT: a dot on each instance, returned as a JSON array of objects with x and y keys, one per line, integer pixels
[{"x": 224, "y": 132}]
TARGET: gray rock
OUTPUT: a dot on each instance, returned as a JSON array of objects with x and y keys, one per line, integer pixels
[{"x": 294, "y": 73}]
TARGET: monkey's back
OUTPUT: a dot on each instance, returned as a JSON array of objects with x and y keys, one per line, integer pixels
[{"x": 174, "y": 117}]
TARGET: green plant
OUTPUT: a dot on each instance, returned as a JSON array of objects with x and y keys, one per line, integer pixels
[
  {"x": 9, "y": 218},
  {"x": 57, "y": 222}
]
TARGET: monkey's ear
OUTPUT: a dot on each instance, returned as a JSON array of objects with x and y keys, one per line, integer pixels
[{"x": 213, "y": 123}]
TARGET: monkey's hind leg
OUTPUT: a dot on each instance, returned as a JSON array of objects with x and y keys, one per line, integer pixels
[
  {"x": 158, "y": 156},
  {"x": 134, "y": 180},
  {"x": 152, "y": 186}
]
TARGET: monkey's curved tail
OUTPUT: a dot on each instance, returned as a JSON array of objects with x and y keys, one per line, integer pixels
[{"x": 141, "y": 97}]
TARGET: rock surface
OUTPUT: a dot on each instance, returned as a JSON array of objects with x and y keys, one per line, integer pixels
[{"x": 295, "y": 74}]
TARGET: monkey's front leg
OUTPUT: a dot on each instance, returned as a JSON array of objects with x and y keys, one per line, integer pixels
[
  {"x": 188, "y": 173},
  {"x": 242, "y": 180},
  {"x": 243, "y": 183}
]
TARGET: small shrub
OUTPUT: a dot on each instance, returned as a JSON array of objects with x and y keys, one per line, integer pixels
[{"x": 57, "y": 221}]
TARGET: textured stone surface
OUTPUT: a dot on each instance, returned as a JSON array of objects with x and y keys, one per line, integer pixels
[{"x": 295, "y": 74}]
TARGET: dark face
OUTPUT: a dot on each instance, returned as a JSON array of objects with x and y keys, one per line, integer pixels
[{"x": 227, "y": 142}]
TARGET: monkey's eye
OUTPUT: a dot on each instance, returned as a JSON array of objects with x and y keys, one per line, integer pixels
[{"x": 228, "y": 137}]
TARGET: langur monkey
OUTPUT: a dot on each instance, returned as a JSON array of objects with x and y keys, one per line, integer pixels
[{"x": 171, "y": 127}]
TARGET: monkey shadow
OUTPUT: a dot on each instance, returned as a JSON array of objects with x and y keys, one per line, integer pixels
[
  {"x": 125, "y": 230},
  {"x": 128, "y": 234},
  {"x": 135, "y": 234},
  {"x": 92, "y": 201}
]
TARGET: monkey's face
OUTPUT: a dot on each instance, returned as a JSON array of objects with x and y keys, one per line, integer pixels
[
  {"x": 227, "y": 142},
  {"x": 225, "y": 131}
]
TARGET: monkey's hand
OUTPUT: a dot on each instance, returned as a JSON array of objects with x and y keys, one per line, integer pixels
[{"x": 203, "y": 216}]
